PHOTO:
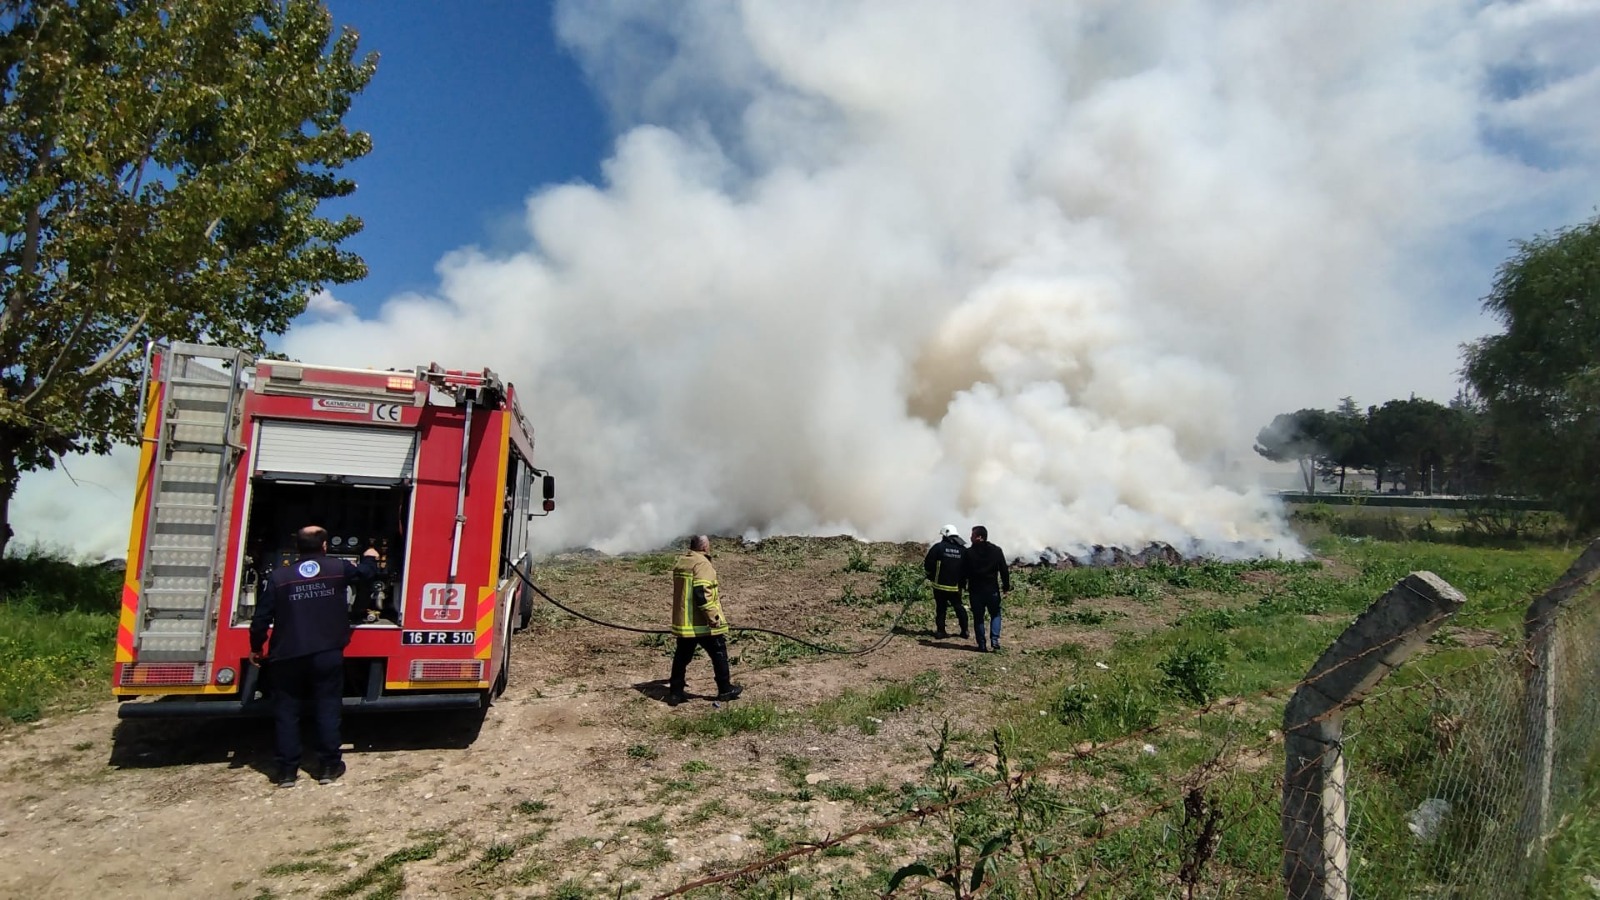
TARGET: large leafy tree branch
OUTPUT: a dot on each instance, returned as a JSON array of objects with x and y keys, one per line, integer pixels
[
  {"x": 1540, "y": 379},
  {"x": 161, "y": 167}
]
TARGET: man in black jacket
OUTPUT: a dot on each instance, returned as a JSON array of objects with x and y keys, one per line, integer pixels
[
  {"x": 987, "y": 575},
  {"x": 306, "y": 607},
  {"x": 944, "y": 566}
]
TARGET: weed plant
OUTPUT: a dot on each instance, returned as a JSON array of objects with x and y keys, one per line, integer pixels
[{"x": 860, "y": 560}]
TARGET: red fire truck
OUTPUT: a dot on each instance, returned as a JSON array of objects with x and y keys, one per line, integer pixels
[{"x": 433, "y": 467}]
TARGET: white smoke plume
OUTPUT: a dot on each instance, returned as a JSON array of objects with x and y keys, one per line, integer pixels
[{"x": 870, "y": 267}]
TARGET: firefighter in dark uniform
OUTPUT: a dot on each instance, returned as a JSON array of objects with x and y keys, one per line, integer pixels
[
  {"x": 304, "y": 605},
  {"x": 944, "y": 566},
  {"x": 987, "y": 575},
  {"x": 697, "y": 621}
]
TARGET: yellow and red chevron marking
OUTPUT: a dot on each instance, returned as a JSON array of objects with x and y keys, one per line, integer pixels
[
  {"x": 125, "y": 624},
  {"x": 485, "y": 622},
  {"x": 137, "y": 534},
  {"x": 486, "y": 594}
]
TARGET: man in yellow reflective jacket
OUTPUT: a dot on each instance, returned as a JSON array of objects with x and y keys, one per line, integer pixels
[{"x": 697, "y": 621}]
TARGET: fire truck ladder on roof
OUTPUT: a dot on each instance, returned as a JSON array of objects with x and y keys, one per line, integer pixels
[{"x": 196, "y": 452}]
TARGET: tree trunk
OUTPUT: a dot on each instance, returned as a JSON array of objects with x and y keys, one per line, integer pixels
[
  {"x": 1341, "y": 479},
  {"x": 8, "y": 486}
]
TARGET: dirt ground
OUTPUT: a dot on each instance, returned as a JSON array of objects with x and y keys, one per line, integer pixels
[{"x": 576, "y": 783}]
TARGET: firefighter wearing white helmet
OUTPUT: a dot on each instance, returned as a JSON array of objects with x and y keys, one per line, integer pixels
[{"x": 945, "y": 566}]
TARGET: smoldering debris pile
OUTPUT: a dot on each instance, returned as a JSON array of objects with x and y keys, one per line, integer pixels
[{"x": 1106, "y": 557}]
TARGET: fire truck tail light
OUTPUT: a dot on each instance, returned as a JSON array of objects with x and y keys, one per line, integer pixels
[
  {"x": 401, "y": 383},
  {"x": 447, "y": 670},
  {"x": 163, "y": 674},
  {"x": 549, "y": 506}
]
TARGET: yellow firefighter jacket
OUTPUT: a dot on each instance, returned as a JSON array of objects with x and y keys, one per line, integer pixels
[{"x": 696, "y": 609}]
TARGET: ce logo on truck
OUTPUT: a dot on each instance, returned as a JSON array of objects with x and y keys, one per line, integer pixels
[{"x": 387, "y": 413}]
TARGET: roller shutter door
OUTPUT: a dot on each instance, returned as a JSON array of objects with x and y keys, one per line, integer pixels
[{"x": 316, "y": 449}]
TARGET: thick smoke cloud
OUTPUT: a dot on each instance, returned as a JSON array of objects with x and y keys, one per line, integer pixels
[{"x": 873, "y": 267}]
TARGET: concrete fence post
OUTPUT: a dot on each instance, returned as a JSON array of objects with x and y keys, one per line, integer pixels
[
  {"x": 1315, "y": 849},
  {"x": 1539, "y": 703}
]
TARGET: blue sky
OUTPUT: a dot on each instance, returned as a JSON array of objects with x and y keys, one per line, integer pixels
[{"x": 473, "y": 107}]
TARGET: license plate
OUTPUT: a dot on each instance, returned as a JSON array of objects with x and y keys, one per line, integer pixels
[{"x": 437, "y": 637}]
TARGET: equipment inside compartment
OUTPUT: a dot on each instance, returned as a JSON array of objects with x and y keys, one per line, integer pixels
[{"x": 356, "y": 517}]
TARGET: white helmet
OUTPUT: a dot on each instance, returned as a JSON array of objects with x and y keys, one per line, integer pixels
[{"x": 949, "y": 531}]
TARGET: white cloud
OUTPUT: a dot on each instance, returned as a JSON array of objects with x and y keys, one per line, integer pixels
[
  {"x": 878, "y": 266},
  {"x": 323, "y": 305}
]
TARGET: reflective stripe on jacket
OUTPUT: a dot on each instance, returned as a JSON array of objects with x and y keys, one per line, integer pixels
[
  {"x": 695, "y": 605},
  {"x": 944, "y": 565}
]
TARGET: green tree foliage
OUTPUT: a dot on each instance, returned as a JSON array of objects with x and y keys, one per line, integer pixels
[
  {"x": 1304, "y": 436},
  {"x": 1540, "y": 380},
  {"x": 1348, "y": 445},
  {"x": 1420, "y": 443},
  {"x": 1413, "y": 438},
  {"x": 161, "y": 167}
]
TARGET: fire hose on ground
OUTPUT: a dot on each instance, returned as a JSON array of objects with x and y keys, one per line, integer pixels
[{"x": 875, "y": 645}]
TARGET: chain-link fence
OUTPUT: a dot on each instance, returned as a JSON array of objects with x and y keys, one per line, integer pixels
[{"x": 1458, "y": 776}]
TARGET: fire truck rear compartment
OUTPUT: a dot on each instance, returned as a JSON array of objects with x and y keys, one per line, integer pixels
[{"x": 356, "y": 516}]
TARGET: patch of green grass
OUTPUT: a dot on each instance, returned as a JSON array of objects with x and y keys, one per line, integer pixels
[
  {"x": 734, "y": 718},
  {"x": 58, "y": 623},
  {"x": 860, "y": 559},
  {"x": 1573, "y": 851},
  {"x": 1193, "y": 670},
  {"x": 1087, "y": 618},
  {"x": 655, "y": 563},
  {"x": 531, "y": 807},
  {"x": 493, "y": 855},
  {"x": 651, "y": 825},
  {"x": 301, "y": 867},
  {"x": 759, "y": 650},
  {"x": 642, "y": 751},
  {"x": 706, "y": 811},
  {"x": 865, "y": 709},
  {"x": 696, "y": 767},
  {"x": 386, "y": 877},
  {"x": 902, "y": 583},
  {"x": 1103, "y": 707},
  {"x": 839, "y": 791}
]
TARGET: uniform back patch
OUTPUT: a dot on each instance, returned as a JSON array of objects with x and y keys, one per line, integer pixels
[{"x": 309, "y": 568}]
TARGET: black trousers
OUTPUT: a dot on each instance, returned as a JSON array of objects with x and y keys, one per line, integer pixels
[
  {"x": 316, "y": 681},
  {"x": 944, "y": 600},
  {"x": 716, "y": 647}
]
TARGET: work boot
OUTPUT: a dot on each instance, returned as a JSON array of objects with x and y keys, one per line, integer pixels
[
  {"x": 732, "y": 693},
  {"x": 964, "y": 635},
  {"x": 676, "y": 697},
  {"x": 940, "y": 635},
  {"x": 286, "y": 778},
  {"x": 332, "y": 773}
]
